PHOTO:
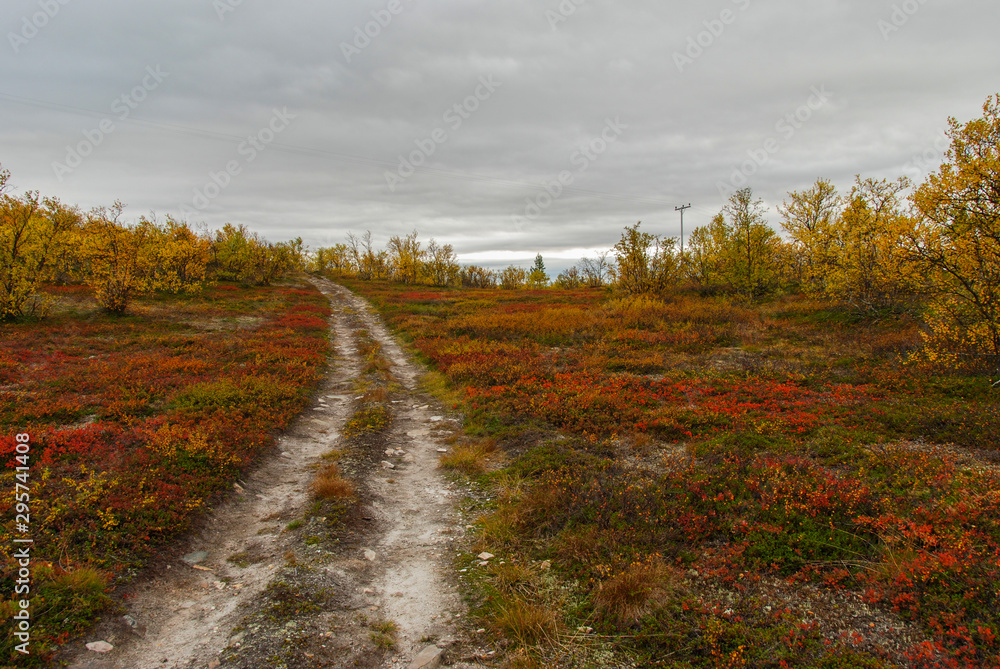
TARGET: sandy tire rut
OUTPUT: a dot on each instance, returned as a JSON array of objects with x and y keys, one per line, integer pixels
[{"x": 244, "y": 591}]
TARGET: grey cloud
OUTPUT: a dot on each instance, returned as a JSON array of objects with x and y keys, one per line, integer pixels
[{"x": 689, "y": 127}]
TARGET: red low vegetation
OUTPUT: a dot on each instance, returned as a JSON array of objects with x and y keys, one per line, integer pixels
[
  {"x": 137, "y": 422},
  {"x": 787, "y": 441}
]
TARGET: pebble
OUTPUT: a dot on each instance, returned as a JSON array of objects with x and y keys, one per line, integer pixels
[
  {"x": 195, "y": 558},
  {"x": 430, "y": 657},
  {"x": 100, "y": 646}
]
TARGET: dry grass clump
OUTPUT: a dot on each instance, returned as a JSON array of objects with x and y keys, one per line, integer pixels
[
  {"x": 371, "y": 352},
  {"x": 470, "y": 458},
  {"x": 499, "y": 530},
  {"x": 527, "y": 624},
  {"x": 577, "y": 545},
  {"x": 513, "y": 579},
  {"x": 626, "y": 596},
  {"x": 330, "y": 484},
  {"x": 375, "y": 395}
]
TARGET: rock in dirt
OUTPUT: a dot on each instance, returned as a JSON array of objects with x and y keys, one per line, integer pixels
[
  {"x": 430, "y": 657},
  {"x": 195, "y": 558},
  {"x": 134, "y": 625},
  {"x": 101, "y": 647},
  {"x": 370, "y": 555}
]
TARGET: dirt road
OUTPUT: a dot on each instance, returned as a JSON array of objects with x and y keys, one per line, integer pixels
[{"x": 266, "y": 582}]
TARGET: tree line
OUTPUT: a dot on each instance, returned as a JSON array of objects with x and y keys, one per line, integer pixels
[
  {"x": 406, "y": 260},
  {"x": 44, "y": 241}
]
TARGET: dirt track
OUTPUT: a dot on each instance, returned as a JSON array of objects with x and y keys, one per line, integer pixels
[{"x": 253, "y": 593}]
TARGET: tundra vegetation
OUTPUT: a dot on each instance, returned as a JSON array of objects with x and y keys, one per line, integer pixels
[
  {"x": 773, "y": 450},
  {"x": 151, "y": 366}
]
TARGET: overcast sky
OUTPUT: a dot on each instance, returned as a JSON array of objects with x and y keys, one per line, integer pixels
[{"x": 502, "y": 126}]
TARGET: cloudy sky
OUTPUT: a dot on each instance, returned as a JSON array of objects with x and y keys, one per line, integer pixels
[{"x": 503, "y": 127}]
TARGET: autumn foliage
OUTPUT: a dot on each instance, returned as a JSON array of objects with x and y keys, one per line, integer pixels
[
  {"x": 764, "y": 448},
  {"x": 137, "y": 423},
  {"x": 43, "y": 241}
]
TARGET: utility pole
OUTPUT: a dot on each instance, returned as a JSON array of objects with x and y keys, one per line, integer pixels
[{"x": 681, "y": 209}]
